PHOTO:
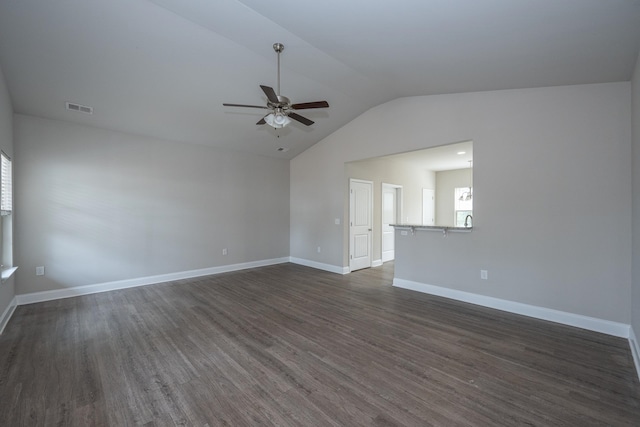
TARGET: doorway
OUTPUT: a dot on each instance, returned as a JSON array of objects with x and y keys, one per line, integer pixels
[
  {"x": 428, "y": 206},
  {"x": 391, "y": 214}
]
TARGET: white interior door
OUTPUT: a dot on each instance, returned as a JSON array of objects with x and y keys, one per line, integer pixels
[
  {"x": 428, "y": 207},
  {"x": 391, "y": 197},
  {"x": 360, "y": 226}
]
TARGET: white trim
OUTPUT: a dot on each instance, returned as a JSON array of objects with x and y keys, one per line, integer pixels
[
  {"x": 320, "y": 266},
  {"x": 7, "y": 273},
  {"x": 8, "y": 312},
  {"x": 635, "y": 350},
  {"x": 140, "y": 281},
  {"x": 571, "y": 319},
  {"x": 377, "y": 263}
]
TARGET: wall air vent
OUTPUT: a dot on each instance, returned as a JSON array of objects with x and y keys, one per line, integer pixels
[{"x": 80, "y": 108}]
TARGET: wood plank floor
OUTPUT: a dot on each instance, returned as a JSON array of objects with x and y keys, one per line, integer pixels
[{"x": 289, "y": 345}]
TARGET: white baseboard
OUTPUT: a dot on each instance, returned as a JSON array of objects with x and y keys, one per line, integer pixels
[
  {"x": 585, "y": 322},
  {"x": 140, "y": 281},
  {"x": 319, "y": 265},
  {"x": 376, "y": 263},
  {"x": 8, "y": 312},
  {"x": 635, "y": 350}
]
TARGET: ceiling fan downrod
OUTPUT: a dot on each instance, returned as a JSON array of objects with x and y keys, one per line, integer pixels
[{"x": 278, "y": 47}]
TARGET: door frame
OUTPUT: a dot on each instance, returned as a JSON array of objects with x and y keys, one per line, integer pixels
[
  {"x": 433, "y": 205},
  {"x": 398, "y": 190},
  {"x": 351, "y": 213}
]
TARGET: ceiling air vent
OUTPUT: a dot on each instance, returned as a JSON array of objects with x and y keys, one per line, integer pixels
[
  {"x": 283, "y": 150},
  {"x": 81, "y": 108}
]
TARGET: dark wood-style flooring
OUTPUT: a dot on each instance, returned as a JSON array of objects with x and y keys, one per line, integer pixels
[{"x": 288, "y": 345}]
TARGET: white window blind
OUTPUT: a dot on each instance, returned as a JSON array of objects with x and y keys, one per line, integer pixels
[{"x": 6, "y": 184}]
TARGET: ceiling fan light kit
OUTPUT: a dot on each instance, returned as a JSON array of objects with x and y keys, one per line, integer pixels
[
  {"x": 281, "y": 106},
  {"x": 277, "y": 120}
]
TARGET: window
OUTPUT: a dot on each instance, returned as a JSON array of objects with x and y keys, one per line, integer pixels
[
  {"x": 6, "y": 184},
  {"x": 463, "y": 201},
  {"x": 6, "y": 222}
]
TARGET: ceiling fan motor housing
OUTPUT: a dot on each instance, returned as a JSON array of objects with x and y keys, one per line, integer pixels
[{"x": 283, "y": 103}]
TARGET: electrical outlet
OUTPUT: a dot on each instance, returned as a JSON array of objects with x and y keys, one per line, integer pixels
[
  {"x": 40, "y": 271},
  {"x": 337, "y": 221},
  {"x": 319, "y": 249},
  {"x": 484, "y": 274},
  {"x": 403, "y": 233},
  {"x": 224, "y": 251}
]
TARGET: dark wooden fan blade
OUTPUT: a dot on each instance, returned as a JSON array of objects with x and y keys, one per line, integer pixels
[
  {"x": 261, "y": 121},
  {"x": 307, "y": 105},
  {"x": 301, "y": 119},
  {"x": 271, "y": 94},
  {"x": 243, "y": 105}
]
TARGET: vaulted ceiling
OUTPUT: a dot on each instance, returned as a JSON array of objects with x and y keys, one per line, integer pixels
[{"x": 163, "y": 68}]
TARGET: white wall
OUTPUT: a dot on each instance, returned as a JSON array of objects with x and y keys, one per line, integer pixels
[
  {"x": 446, "y": 183},
  {"x": 411, "y": 177},
  {"x": 566, "y": 245},
  {"x": 635, "y": 301},
  {"x": 97, "y": 206},
  {"x": 7, "y": 289}
]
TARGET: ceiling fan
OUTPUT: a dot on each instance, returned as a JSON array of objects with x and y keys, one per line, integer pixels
[{"x": 282, "y": 110}]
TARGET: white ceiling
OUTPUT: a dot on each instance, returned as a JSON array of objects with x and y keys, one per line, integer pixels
[
  {"x": 437, "y": 159},
  {"x": 163, "y": 68},
  {"x": 441, "y": 158}
]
